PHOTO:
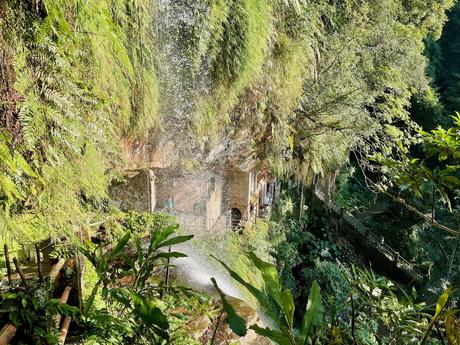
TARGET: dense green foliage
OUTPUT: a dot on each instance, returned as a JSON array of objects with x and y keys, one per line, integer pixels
[
  {"x": 33, "y": 312},
  {"x": 298, "y": 84},
  {"x": 360, "y": 306},
  {"x": 133, "y": 311},
  {"x": 287, "y": 77},
  {"x": 76, "y": 79},
  {"x": 278, "y": 303},
  {"x": 375, "y": 312},
  {"x": 444, "y": 67},
  {"x": 417, "y": 213},
  {"x": 364, "y": 63}
]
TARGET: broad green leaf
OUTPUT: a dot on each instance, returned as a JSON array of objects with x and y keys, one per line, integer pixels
[
  {"x": 259, "y": 295},
  {"x": 237, "y": 323},
  {"x": 288, "y": 306},
  {"x": 120, "y": 246},
  {"x": 442, "y": 300},
  {"x": 440, "y": 304},
  {"x": 175, "y": 240},
  {"x": 88, "y": 255},
  {"x": 155, "y": 238},
  {"x": 148, "y": 311},
  {"x": 275, "y": 336},
  {"x": 159, "y": 236},
  {"x": 90, "y": 245},
  {"x": 169, "y": 255},
  {"x": 313, "y": 317},
  {"x": 270, "y": 276},
  {"x": 121, "y": 295}
]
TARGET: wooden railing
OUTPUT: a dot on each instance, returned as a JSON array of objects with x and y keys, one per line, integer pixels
[
  {"x": 374, "y": 240},
  {"x": 197, "y": 224}
]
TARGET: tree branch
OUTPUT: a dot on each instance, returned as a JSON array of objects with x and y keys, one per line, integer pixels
[{"x": 423, "y": 216}]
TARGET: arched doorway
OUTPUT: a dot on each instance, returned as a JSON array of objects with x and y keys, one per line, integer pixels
[{"x": 236, "y": 218}]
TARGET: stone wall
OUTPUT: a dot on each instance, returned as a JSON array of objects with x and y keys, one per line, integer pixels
[
  {"x": 201, "y": 200},
  {"x": 136, "y": 192},
  {"x": 189, "y": 192},
  {"x": 215, "y": 201},
  {"x": 238, "y": 191}
]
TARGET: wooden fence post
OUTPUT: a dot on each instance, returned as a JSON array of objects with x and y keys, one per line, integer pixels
[
  {"x": 79, "y": 282},
  {"x": 39, "y": 267},
  {"x": 20, "y": 272}
]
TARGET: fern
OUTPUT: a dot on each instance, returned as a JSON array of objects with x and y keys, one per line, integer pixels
[
  {"x": 87, "y": 77},
  {"x": 14, "y": 175}
]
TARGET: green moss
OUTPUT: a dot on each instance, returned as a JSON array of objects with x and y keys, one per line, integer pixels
[
  {"x": 209, "y": 31},
  {"x": 291, "y": 59},
  {"x": 89, "y": 281},
  {"x": 259, "y": 32},
  {"x": 141, "y": 224},
  {"x": 124, "y": 71},
  {"x": 238, "y": 46},
  {"x": 254, "y": 239}
]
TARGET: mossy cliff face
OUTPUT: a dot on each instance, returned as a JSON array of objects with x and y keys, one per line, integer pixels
[
  {"x": 297, "y": 83},
  {"x": 80, "y": 76},
  {"x": 300, "y": 84}
]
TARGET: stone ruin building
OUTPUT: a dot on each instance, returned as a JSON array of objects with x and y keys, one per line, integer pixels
[{"x": 218, "y": 199}]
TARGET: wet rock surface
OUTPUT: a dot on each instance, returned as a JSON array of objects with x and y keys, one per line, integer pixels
[{"x": 204, "y": 329}]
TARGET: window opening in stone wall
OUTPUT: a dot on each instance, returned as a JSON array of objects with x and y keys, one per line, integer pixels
[{"x": 236, "y": 218}]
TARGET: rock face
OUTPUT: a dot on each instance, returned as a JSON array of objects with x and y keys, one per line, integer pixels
[
  {"x": 251, "y": 317},
  {"x": 135, "y": 193},
  {"x": 204, "y": 329}
]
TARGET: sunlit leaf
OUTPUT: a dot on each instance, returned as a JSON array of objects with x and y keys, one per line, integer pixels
[
  {"x": 237, "y": 323},
  {"x": 313, "y": 317}
]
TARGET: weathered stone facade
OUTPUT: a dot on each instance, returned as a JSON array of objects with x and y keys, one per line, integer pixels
[
  {"x": 137, "y": 192},
  {"x": 249, "y": 191},
  {"x": 238, "y": 191},
  {"x": 201, "y": 201},
  {"x": 192, "y": 196}
]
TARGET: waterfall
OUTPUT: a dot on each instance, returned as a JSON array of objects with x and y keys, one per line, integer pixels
[{"x": 181, "y": 83}]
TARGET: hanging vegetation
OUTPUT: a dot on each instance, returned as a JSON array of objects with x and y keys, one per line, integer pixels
[{"x": 80, "y": 77}]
